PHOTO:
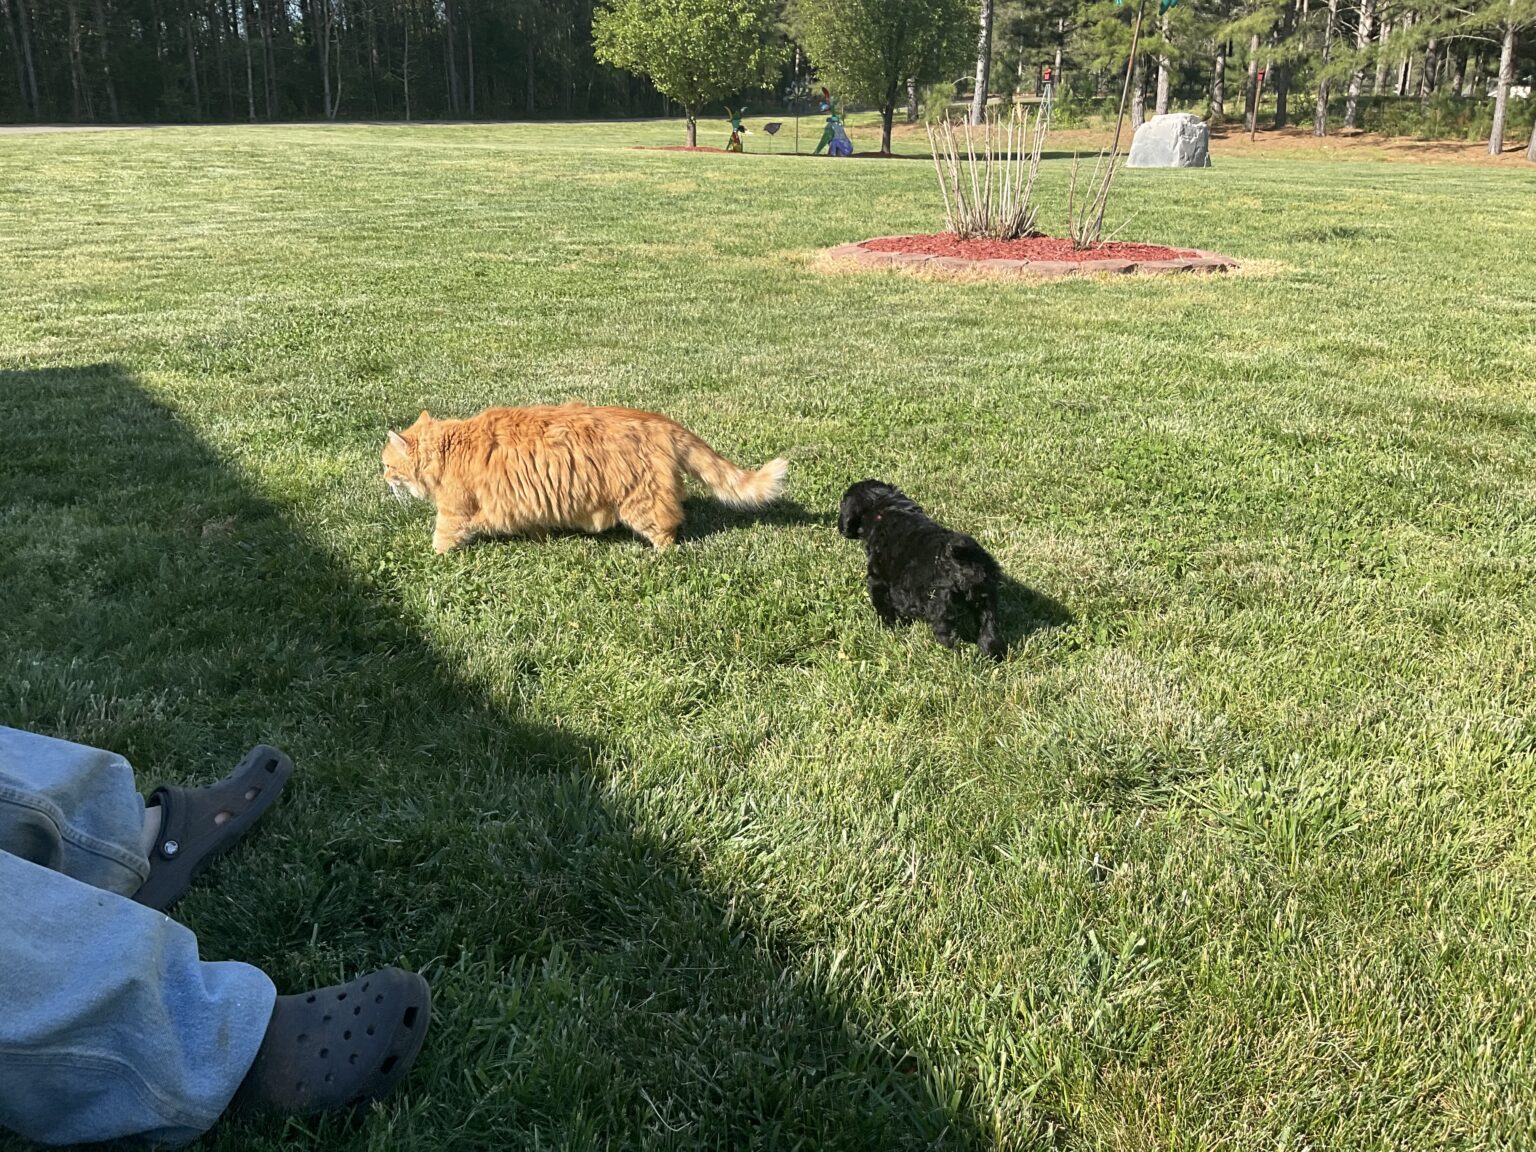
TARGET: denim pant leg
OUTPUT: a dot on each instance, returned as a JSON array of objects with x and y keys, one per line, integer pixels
[
  {"x": 71, "y": 808},
  {"x": 110, "y": 1026}
]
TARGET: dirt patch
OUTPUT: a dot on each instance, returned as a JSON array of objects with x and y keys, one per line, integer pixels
[{"x": 1036, "y": 257}]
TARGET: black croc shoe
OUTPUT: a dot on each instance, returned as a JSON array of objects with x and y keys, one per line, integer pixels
[
  {"x": 192, "y": 835},
  {"x": 340, "y": 1046}
]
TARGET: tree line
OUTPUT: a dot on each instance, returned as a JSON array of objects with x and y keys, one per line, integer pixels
[{"x": 1334, "y": 63}]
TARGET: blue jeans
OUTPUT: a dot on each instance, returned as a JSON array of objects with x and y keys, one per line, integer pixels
[{"x": 110, "y": 1026}]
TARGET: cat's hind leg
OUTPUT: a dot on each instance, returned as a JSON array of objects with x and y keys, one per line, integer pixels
[{"x": 655, "y": 511}]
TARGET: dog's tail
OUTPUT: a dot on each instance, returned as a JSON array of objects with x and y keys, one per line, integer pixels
[{"x": 734, "y": 486}]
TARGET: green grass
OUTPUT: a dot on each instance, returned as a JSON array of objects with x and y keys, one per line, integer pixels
[{"x": 1240, "y": 855}]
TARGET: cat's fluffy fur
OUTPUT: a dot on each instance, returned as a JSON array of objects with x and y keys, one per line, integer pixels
[
  {"x": 524, "y": 470},
  {"x": 921, "y": 570}
]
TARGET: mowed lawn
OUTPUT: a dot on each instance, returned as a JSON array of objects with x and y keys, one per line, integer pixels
[{"x": 1236, "y": 850}]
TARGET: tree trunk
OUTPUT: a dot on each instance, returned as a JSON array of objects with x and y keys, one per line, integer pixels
[
  {"x": 911, "y": 101},
  {"x": 26, "y": 58},
  {"x": 1506, "y": 75},
  {"x": 983, "y": 69},
  {"x": 1431, "y": 66},
  {"x": 405, "y": 67},
  {"x": 197, "y": 97},
  {"x": 1219, "y": 82},
  {"x": 469, "y": 48},
  {"x": 528, "y": 99},
  {"x": 1405, "y": 65},
  {"x": 1282, "y": 95},
  {"x": 250, "y": 72},
  {"x": 221, "y": 46},
  {"x": 79, "y": 83},
  {"x": 693, "y": 126},
  {"x": 1251, "y": 90},
  {"x": 1162, "y": 69},
  {"x": 1381, "y": 58},
  {"x": 21, "y": 74},
  {"x": 1357, "y": 77},
  {"x": 268, "y": 69},
  {"x": 1530, "y": 149},
  {"x": 450, "y": 53},
  {"x": 1320, "y": 118},
  {"x": 1459, "y": 76},
  {"x": 1138, "y": 92},
  {"x": 105, "y": 56},
  {"x": 323, "y": 41},
  {"x": 887, "y": 117}
]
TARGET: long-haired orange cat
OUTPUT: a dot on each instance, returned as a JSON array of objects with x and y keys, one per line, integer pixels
[{"x": 523, "y": 470}]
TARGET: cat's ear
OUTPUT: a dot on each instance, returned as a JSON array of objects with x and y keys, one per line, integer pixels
[
  {"x": 400, "y": 442},
  {"x": 425, "y": 417}
]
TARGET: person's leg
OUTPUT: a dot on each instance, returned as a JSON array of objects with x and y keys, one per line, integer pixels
[
  {"x": 75, "y": 810},
  {"x": 110, "y": 1025},
  {"x": 72, "y": 809}
]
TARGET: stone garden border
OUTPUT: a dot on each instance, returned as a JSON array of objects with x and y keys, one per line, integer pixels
[{"x": 1199, "y": 261}]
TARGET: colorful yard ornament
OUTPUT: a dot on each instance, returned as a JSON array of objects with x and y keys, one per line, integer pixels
[
  {"x": 737, "y": 129},
  {"x": 833, "y": 138}
]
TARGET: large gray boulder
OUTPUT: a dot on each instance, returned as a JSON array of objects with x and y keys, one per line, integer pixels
[{"x": 1176, "y": 140}]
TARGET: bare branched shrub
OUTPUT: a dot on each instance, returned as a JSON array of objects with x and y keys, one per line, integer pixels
[
  {"x": 1086, "y": 222},
  {"x": 990, "y": 194}
]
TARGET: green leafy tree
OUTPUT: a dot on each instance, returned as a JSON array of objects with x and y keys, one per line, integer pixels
[
  {"x": 695, "y": 51},
  {"x": 868, "y": 49}
]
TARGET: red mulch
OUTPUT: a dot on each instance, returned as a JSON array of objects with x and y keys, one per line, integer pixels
[{"x": 1030, "y": 248}]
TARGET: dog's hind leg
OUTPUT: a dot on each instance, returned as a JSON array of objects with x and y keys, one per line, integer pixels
[
  {"x": 946, "y": 621},
  {"x": 989, "y": 638}
]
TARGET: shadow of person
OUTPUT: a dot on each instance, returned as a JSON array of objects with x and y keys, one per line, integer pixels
[{"x": 589, "y": 990}]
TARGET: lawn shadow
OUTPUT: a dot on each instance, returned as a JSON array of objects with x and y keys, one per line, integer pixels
[
  {"x": 1024, "y": 611},
  {"x": 589, "y": 990},
  {"x": 705, "y": 517}
]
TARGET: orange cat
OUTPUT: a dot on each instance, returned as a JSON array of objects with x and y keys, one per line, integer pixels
[{"x": 522, "y": 470}]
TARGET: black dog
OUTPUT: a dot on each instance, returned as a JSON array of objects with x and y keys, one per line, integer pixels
[{"x": 920, "y": 570}]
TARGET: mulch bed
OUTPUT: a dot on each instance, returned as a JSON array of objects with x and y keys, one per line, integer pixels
[{"x": 1034, "y": 256}]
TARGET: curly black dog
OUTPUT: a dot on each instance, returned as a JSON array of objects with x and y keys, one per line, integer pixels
[{"x": 920, "y": 570}]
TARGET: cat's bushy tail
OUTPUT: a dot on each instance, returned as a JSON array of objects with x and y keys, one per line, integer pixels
[{"x": 732, "y": 485}]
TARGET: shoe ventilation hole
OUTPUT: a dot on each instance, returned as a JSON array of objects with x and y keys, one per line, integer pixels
[
  {"x": 370, "y": 1029},
  {"x": 410, "y": 1016},
  {"x": 324, "y": 1052},
  {"x": 358, "y": 1011},
  {"x": 387, "y": 1065},
  {"x": 341, "y": 995},
  {"x": 346, "y": 1035}
]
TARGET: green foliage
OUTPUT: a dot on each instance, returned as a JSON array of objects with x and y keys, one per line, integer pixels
[
  {"x": 695, "y": 51},
  {"x": 867, "y": 49},
  {"x": 935, "y": 99}
]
